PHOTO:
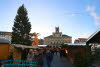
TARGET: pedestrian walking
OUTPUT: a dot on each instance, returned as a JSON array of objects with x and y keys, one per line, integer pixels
[
  {"x": 52, "y": 54},
  {"x": 61, "y": 53},
  {"x": 49, "y": 58},
  {"x": 52, "y": 51},
  {"x": 55, "y": 50}
]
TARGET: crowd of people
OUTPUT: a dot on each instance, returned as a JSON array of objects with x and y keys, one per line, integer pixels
[{"x": 37, "y": 55}]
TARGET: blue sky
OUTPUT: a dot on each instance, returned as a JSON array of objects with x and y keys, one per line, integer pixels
[{"x": 76, "y": 18}]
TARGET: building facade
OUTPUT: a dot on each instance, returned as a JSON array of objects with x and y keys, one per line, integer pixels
[
  {"x": 57, "y": 38},
  {"x": 41, "y": 41},
  {"x": 5, "y": 35},
  {"x": 80, "y": 40}
]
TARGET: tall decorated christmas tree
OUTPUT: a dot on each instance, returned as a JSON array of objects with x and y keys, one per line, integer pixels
[{"x": 21, "y": 28}]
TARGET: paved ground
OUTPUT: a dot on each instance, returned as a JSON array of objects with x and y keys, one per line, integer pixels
[
  {"x": 96, "y": 64},
  {"x": 58, "y": 62}
]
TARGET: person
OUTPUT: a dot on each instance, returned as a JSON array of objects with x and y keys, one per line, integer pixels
[
  {"x": 52, "y": 51},
  {"x": 61, "y": 53},
  {"x": 44, "y": 52},
  {"x": 48, "y": 58},
  {"x": 30, "y": 56},
  {"x": 38, "y": 58},
  {"x": 52, "y": 54},
  {"x": 24, "y": 54},
  {"x": 55, "y": 49},
  {"x": 41, "y": 58}
]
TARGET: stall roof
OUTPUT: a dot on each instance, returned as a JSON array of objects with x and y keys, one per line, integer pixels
[
  {"x": 42, "y": 45},
  {"x": 4, "y": 41},
  {"x": 24, "y": 46},
  {"x": 75, "y": 44},
  {"x": 94, "y": 38}
]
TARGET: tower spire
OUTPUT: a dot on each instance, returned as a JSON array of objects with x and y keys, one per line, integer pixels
[{"x": 57, "y": 29}]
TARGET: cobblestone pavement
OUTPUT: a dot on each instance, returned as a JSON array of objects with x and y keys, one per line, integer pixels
[{"x": 59, "y": 62}]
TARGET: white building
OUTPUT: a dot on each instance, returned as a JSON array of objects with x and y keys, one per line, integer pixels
[{"x": 57, "y": 38}]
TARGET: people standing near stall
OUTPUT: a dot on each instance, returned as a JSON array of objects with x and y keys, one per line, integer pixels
[
  {"x": 38, "y": 58},
  {"x": 24, "y": 54},
  {"x": 30, "y": 56}
]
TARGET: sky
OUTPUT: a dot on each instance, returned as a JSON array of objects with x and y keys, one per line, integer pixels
[{"x": 76, "y": 18}]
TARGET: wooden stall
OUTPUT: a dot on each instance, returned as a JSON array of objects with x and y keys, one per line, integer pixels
[{"x": 4, "y": 49}]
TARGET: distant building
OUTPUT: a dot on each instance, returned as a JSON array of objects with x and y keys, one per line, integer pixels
[
  {"x": 5, "y": 35},
  {"x": 8, "y": 35},
  {"x": 57, "y": 38},
  {"x": 80, "y": 40},
  {"x": 41, "y": 41}
]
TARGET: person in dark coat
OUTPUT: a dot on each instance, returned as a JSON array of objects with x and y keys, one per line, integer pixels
[
  {"x": 52, "y": 54},
  {"x": 24, "y": 54},
  {"x": 38, "y": 58},
  {"x": 49, "y": 58},
  {"x": 61, "y": 53}
]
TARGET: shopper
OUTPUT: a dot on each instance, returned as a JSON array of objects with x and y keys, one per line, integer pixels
[
  {"x": 48, "y": 58},
  {"x": 38, "y": 58},
  {"x": 30, "y": 57}
]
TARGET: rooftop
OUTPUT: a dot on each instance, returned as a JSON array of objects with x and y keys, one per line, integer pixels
[
  {"x": 4, "y": 41},
  {"x": 62, "y": 36}
]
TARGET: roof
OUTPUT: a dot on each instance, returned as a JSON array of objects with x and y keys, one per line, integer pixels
[
  {"x": 3, "y": 31},
  {"x": 65, "y": 35},
  {"x": 62, "y": 35},
  {"x": 82, "y": 38},
  {"x": 75, "y": 44},
  {"x": 42, "y": 45},
  {"x": 50, "y": 36},
  {"x": 4, "y": 41},
  {"x": 24, "y": 46},
  {"x": 95, "y": 37}
]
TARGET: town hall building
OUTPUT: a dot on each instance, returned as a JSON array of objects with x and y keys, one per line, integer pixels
[{"x": 57, "y": 39}]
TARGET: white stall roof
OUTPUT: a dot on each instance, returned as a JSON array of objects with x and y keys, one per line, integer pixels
[
  {"x": 24, "y": 46},
  {"x": 42, "y": 45},
  {"x": 75, "y": 44}
]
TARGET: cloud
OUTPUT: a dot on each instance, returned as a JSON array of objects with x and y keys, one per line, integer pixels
[
  {"x": 90, "y": 8},
  {"x": 97, "y": 23},
  {"x": 95, "y": 16}
]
